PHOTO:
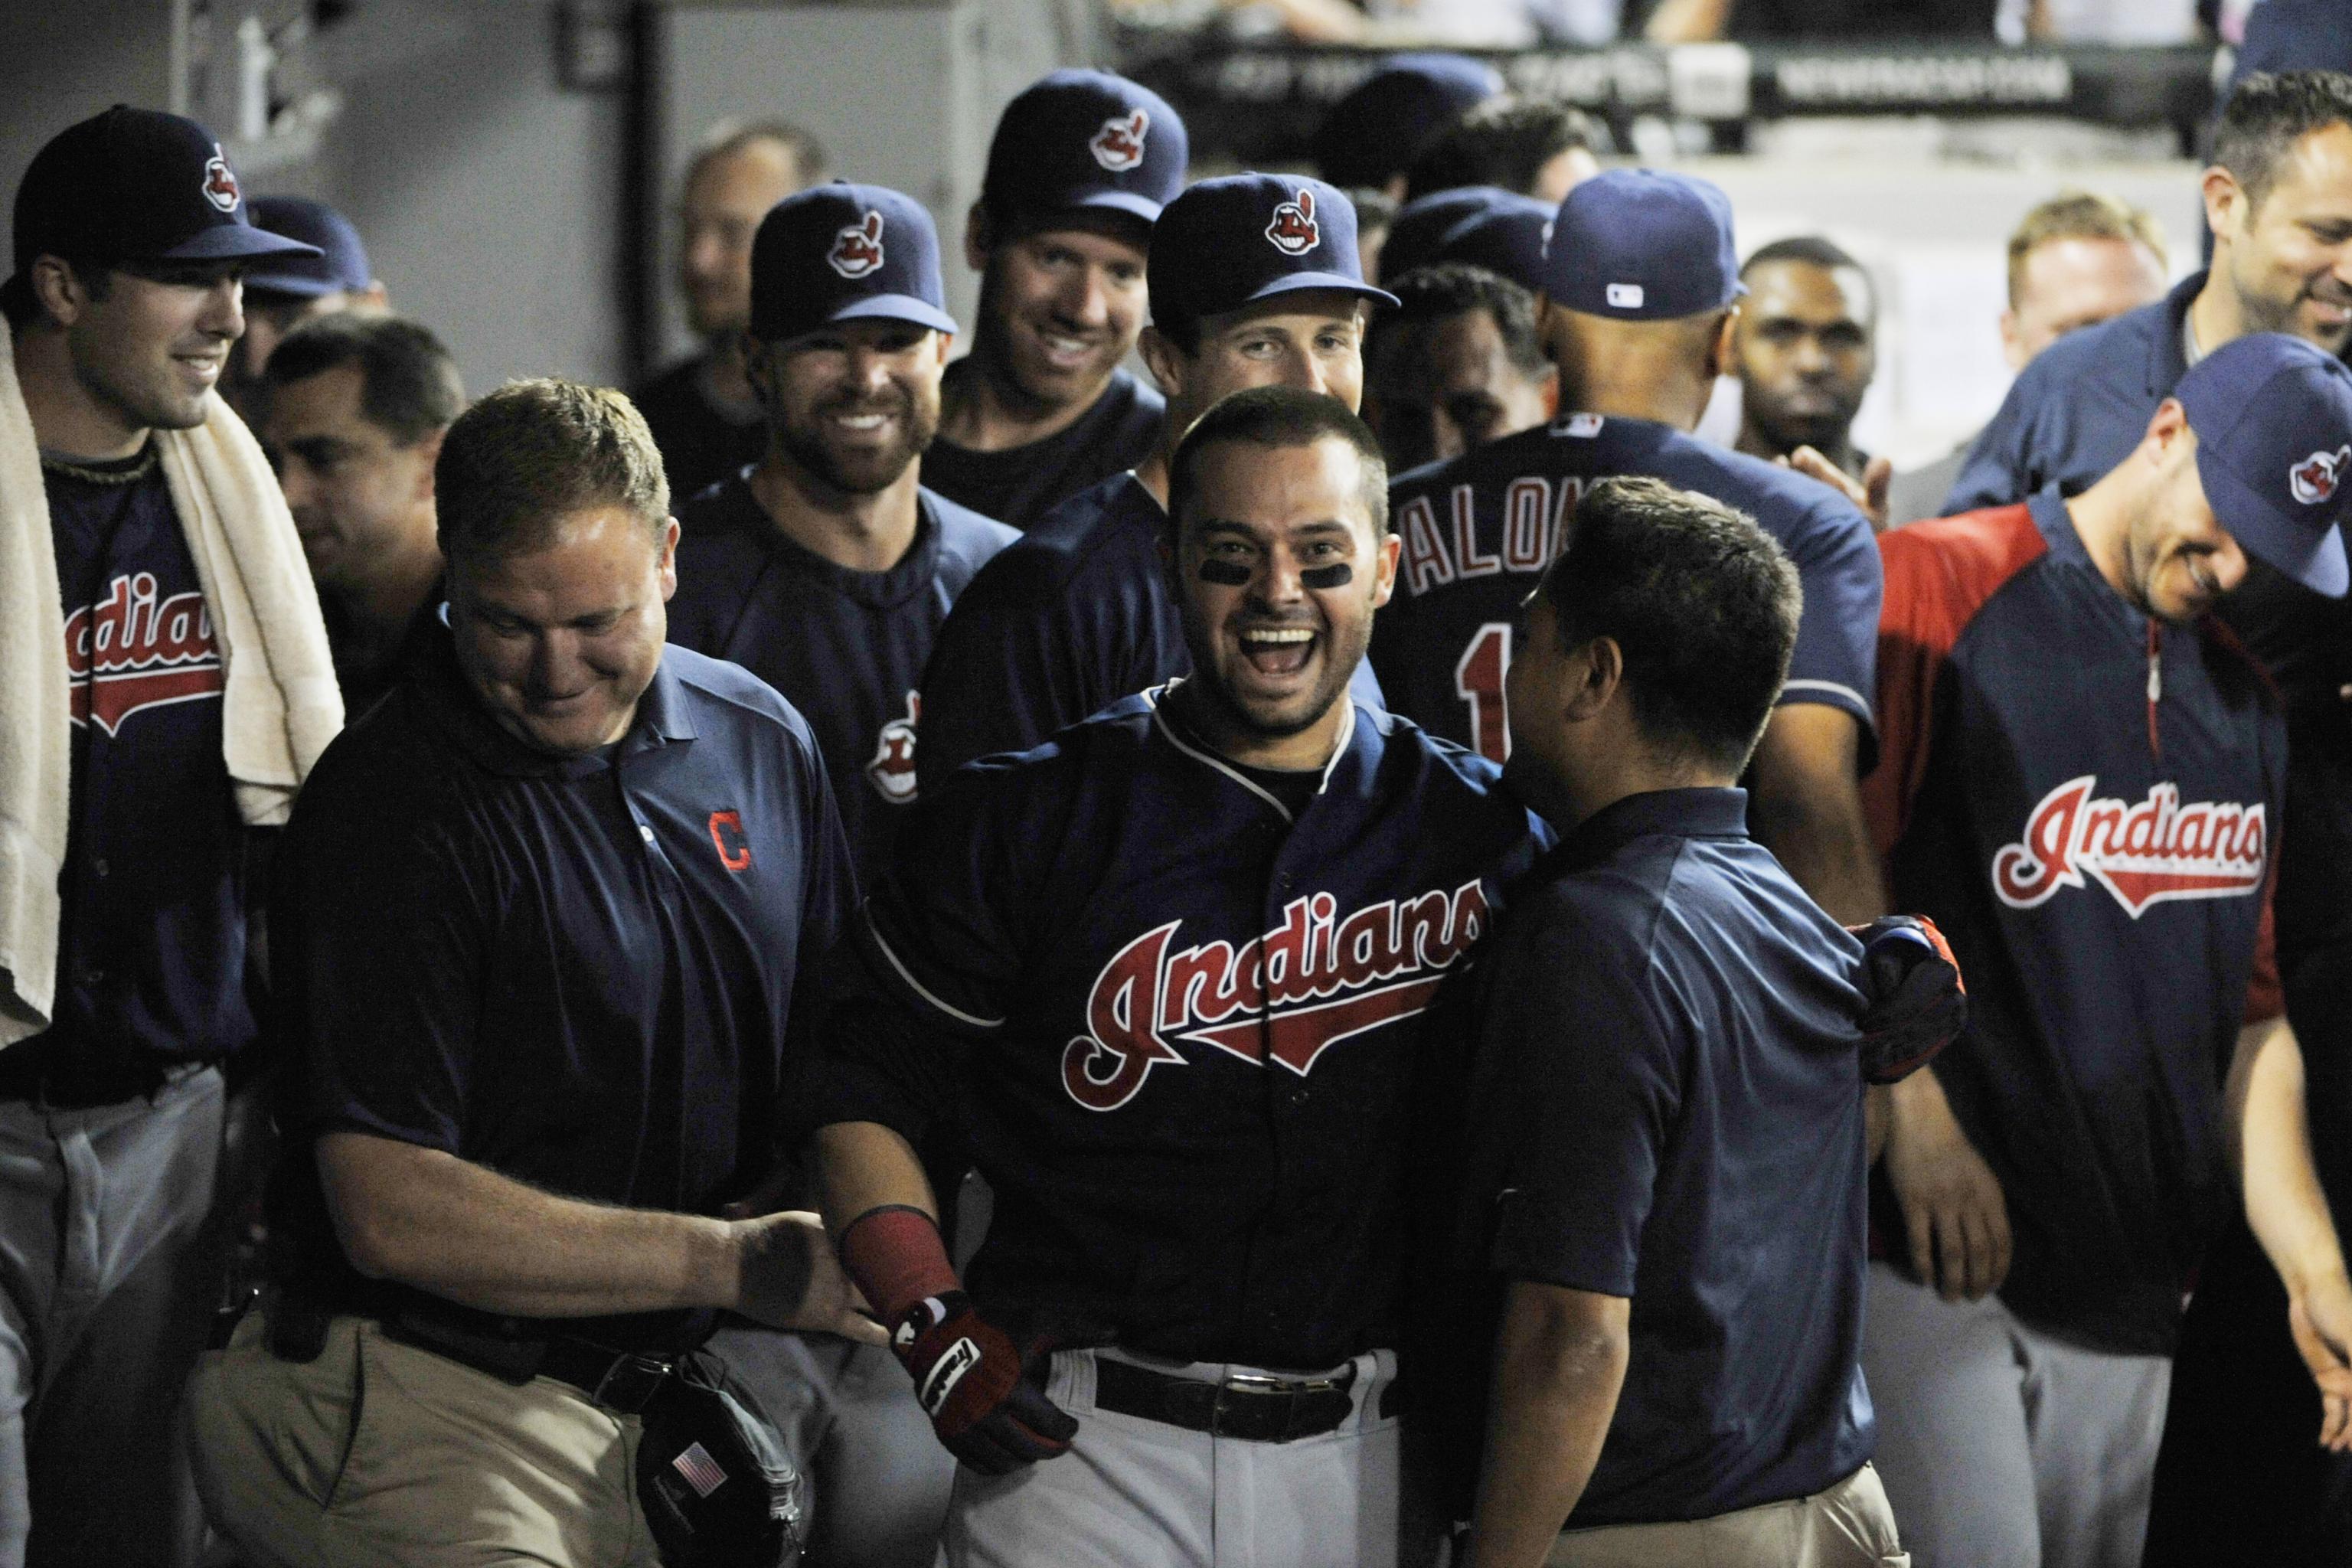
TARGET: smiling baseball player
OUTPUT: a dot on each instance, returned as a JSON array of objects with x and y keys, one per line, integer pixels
[{"x": 1171, "y": 974}]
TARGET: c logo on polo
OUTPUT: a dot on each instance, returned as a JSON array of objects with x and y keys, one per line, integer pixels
[
  {"x": 1119, "y": 145},
  {"x": 133, "y": 651},
  {"x": 2144, "y": 852},
  {"x": 220, "y": 185},
  {"x": 1288, "y": 995},
  {"x": 2314, "y": 478},
  {"x": 1294, "y": 231},
  {"x": 892, "y": 770},
  {"x": 726, "y": 836},
  {"x": 857, "y": 249}
]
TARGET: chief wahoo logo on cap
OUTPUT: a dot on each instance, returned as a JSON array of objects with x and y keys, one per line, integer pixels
[
  {"x": 2315, "y": 477},
  {"x": 1294, "y": 231},
  {"x": 1119, "y": 145},
  {"x": 220, "y": 185},
  {"x": 857, "y": 248}
]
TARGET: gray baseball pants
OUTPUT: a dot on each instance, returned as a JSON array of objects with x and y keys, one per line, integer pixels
[
  {"x": 112, "y": 1248},
  {"x": 2004, "y": 1446},
  {"x": 1136, "y": 1493}
]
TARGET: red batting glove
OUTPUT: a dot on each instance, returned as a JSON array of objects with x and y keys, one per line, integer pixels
[{"x": 975, "y": 1384}]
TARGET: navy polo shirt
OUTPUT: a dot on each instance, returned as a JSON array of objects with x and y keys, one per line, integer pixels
[
  {"x": 1075, "y": 615},
  {"x": 1668, "y": 1107},
  {"x": 580, "y": 971}
]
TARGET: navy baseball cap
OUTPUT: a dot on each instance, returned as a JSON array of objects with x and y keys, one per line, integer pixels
[
  {"x": 1081, "y": 139},
  {"x": 1642, "y": 245},
  {"x": 844, "y": 253},
  {"x": 2273, "y": 421},
  {"x": 135, "y": 184},
  {"x": 1371, "y": 134},
  {"x": 1506, "y": 238},
  {"x": 1422, "y": 227},
  {"x": 341, "y": 266},
  {"x": 1225, "y": 242}
]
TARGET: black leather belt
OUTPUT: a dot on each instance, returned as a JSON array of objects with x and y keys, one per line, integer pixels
[
  {"x": 621, "y": 1381},
  {"x": 63, "y": 1077},
  {"x": 1254, "y": 1408}
]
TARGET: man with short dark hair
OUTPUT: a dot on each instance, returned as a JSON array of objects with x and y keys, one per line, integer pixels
[
  {"x": 1041, "y": 409},
  {"x": 1457, "y": 363},
  {"x": 1667, "y": 1141},
  {"x": 2082, "y": 784},
  {"x": 556, "y": 903},
  {"x": 1255, "y": 282},
  {"x": 701, "y": 410},
  {"x": 284, "y": 291},
  {"x": 826, "y": 568},
  {"x": 1641, "y": 291},
  {"x": 1531, "y": 146},
  {"x": 1183, "y": 1042},
  {"x": 164, "y": 687},
  {"x": 352, "y": 411},
  {"x": 1805, "y": 351}
]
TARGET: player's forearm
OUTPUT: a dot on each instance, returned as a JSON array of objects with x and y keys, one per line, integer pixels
[
  {"x": 863, "y": 1166},
  {"x": 1560, "y": 1364},
  {"x": 464, "y": 1232},
  {"x": 2284, "y": 1203},
  {"x": 1805, "y": 807}
]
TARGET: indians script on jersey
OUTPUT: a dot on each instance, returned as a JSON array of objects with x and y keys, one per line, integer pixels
[
  {"x": 2144, "y": 852},
  {"x": 130, "y": 651},
  {"x": 1312, "y": 982}
]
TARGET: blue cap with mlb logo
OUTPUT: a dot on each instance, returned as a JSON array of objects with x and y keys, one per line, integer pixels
[
  {"x": 1225, "y": 242},
  {"x": 2272, "y": 417},
  {"x": 1076, "y": 139},
  {"x": 843, "y": 253},
  {"x": 1642, "y": 245}
]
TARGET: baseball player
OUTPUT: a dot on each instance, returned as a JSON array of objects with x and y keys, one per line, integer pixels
[
  {"x": 166, "y": 686},
  {"x": 2081, "y": 783},
  {"x": 1254, "y": 281},
  {"x": 1041, "y": 408},
  {"x": 1172, "y": 975},
  {"x": 1456, "y": 365},
  {"x": 826, "y": 568},
  {"x": 1640, "y": 287}
]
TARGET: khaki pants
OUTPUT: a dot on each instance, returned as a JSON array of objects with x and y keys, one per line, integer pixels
[
  {"x": 379, "y": 1453},
  {"x": 1848, "y": 1525}
]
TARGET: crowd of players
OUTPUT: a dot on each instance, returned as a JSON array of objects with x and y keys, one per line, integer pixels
[{"x": 1413, "y": 1055}]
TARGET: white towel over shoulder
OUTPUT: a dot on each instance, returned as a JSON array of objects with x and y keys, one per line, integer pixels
[{"x": 279, "y": 707}]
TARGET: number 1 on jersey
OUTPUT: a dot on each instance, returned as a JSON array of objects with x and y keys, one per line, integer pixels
[{"x": 1479, "y": 680}]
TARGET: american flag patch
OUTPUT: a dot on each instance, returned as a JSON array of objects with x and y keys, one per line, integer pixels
[{"x": 700, "y": 1470}]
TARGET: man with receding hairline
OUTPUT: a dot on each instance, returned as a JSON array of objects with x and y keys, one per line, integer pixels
[{"x": 701, "y": 410}]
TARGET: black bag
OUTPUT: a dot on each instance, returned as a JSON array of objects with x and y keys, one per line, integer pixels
[{"x": 719, "y": 1488}]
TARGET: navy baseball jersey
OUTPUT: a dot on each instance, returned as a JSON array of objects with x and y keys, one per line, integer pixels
[
  {"x": 1479, "y": 531},
  {"x": 152, "y": 935},
  {"x": 1178, "y": 1019},
  {"x": 1668, "y": 1109},
  {"x": 846, "y": 649},
  {"x": 1019, "y": 485},
  {"x": 1077, "y": 614},
  {"x": 2086, "y": 800}
]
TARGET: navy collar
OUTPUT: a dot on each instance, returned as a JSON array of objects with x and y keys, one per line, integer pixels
[
  {"x": 661, "y": 719},
  {"x": 2047, "y": 506},
  {"x": 1706, "y": 812},
  {"x": 2166, "y": 363},
  {"x": 1354, "y": 756}
]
